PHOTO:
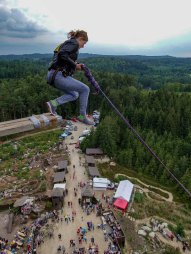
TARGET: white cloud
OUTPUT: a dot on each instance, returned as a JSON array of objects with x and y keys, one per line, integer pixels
[
  {"x": 134, "y": 24},
  {"x": 127, "y": 22}
]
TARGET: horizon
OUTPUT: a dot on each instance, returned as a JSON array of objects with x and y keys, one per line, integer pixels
[
  {"x": 86, "y": 53},
  {"x": 136, "y": 27}
]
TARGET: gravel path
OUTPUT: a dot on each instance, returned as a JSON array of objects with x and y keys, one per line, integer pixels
[{"x": 68, "y": 231}]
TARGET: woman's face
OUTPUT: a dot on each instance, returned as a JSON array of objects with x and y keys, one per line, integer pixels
[{"x": 81, "y": 42}]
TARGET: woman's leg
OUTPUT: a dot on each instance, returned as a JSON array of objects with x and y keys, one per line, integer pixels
[{"x": 72, "y": 89}]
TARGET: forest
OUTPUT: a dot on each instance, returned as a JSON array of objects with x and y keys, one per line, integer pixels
[{"x": 153, "y": 93}]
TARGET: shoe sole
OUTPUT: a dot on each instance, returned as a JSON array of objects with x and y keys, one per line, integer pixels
[
  {"x": 50, "y": 108},
  {"x": 81, "y": 121}
]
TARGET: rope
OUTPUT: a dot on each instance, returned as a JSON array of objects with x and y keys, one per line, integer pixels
[{"x": 98, "y": 89}]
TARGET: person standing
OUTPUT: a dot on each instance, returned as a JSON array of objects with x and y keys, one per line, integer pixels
[{"x": 60, "y": 74}]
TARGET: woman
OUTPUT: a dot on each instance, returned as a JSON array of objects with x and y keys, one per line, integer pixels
[{"x": 61, "y": 71}]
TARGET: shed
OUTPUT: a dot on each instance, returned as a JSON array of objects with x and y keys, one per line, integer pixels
[
  {"x": 62, "y": 165},
  {"x": 87, "y": 195},
  {"x": 57, "y": 198},
  {"x": 93, "y": 172},
  {"x": 90, "y": 161},
  {"x": 59, "y": 177},
  {"x": 94, "y": 151}
]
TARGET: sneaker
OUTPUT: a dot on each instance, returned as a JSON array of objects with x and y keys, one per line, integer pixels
[
  {"x": 51, "y": 108},
  {"x": 85, "y": 120}
]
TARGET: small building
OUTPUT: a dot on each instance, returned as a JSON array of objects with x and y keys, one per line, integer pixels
[
  {"x": 87, "y": 195},
  {"x": 94, "y": 151},
  {"x": 93, "y": 172},
  {"x": 57, "y": 198},
  {"x": 90, "y": 162},
  {"x": 62, "y": 166},
  {"x": 59, "y": 177}
]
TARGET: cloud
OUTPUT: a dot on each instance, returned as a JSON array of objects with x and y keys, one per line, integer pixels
[{"x": 14, "y": 24}]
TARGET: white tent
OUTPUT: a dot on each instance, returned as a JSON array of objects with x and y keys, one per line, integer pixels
[
  {"x": 60, "y": 186},
  {"x": 124, "y": 190},
  {"x": 100, "y": 183}
]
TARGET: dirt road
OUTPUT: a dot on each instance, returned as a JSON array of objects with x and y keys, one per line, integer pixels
[{"x": 68, "y": 231}]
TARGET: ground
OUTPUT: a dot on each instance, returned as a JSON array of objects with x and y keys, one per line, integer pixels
[{"x": 68, "y": 231}]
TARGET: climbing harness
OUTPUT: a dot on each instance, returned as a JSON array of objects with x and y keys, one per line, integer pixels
[{"x": 94, "y": 83}]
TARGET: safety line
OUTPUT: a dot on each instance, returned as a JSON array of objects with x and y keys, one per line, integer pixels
[{"x": 98, "y": 88}]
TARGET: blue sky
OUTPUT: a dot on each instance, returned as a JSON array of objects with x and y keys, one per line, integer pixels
[{"x": 145, "y": 27}]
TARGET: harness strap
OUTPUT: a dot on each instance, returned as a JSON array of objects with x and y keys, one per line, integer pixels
[{"x": 53, "y": 77}]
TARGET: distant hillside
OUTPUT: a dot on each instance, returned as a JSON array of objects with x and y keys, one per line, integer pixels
[
  {"x": 37, "y": 56},
  {"x": 151, "y": 72}
]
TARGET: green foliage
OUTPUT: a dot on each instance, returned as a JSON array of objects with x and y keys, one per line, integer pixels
[
  {"x": 139, "y": 197},
  {"x": 48, "y": 205},
  {"x": 23, "y": 173},
  {"x": 178, "y": 229},
  {"x": 15, "y": 210},
  {"x": 161, "y": 117},
  {"x": 43, "y": 186},
  {"x": 171, "y": 250}
]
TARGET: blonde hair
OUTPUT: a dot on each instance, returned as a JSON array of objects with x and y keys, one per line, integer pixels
[{"x": 77, "y": 34}]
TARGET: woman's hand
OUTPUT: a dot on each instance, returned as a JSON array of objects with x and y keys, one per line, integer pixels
[{"x": 79, "y": 66}]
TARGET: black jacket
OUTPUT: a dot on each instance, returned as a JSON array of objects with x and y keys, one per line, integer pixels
[{"x": 65, "y": 56}]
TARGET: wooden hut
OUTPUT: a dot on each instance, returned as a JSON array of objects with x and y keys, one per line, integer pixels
[
  {"x": 90, "y": 162},
  {"x": 57, "y": 198},
  {"x": 59, "y": 177},
  {"x": 93, "y": 172},
  {"x": 62, "y": 166},
  {"x": 87, "y": 195},
  {"x": 94, "y": 151}
]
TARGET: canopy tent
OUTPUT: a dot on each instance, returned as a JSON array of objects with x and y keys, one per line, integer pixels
[
  {"x": 60, "y": 186},
  {"x": 121, "y": 204},
  {"x": 124, "y": 190}
]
